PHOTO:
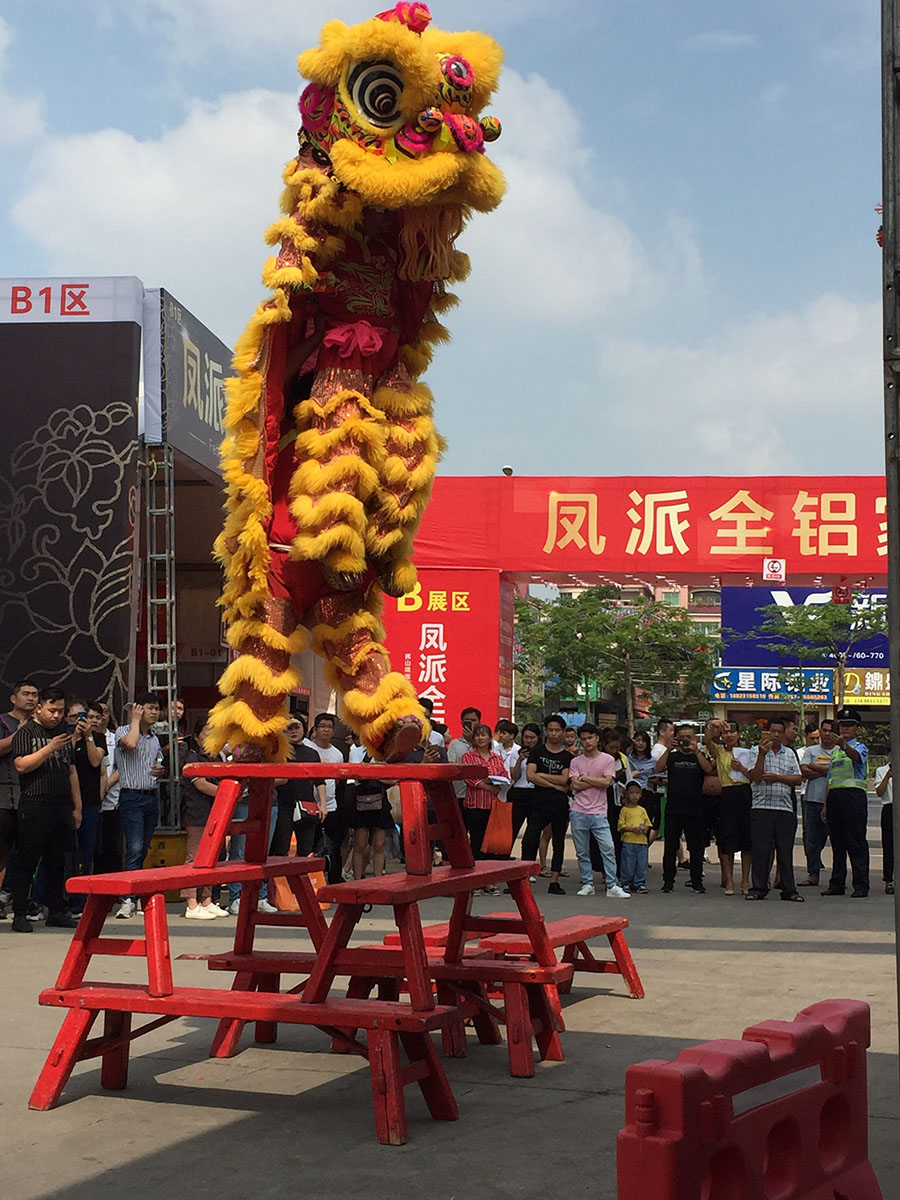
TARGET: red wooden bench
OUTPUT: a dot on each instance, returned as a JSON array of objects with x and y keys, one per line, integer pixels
[
  {"x": 388, "y": 1026},
  {"x": 573, "y": 934},
  {"x": 526, "y": 1011}
]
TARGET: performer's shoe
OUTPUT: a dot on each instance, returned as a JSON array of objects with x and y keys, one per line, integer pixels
[
  {"x": 387, "y": 576},
  {"x": 342, "y": 581},
  {"x": 403, "y": 738}
]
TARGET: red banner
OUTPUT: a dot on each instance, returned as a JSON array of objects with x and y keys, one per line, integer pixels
[
  {"x": 445, "y": 637},
  {"x": 667, "y": 525}
]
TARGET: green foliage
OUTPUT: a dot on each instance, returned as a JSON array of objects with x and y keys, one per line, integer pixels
[
  {"x": 596, "y": 637},
  {"x": 807, "y": 632}
]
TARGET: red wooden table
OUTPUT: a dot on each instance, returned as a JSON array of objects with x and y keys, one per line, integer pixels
[{"x": 403, "y": 892}]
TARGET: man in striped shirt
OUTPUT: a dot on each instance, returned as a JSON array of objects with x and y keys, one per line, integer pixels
[
  {"x": 140, "y": 764},
  {"x": 773, "y": 820}
]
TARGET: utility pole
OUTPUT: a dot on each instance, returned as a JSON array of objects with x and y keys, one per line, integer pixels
[{"x": 890, "y": 134}]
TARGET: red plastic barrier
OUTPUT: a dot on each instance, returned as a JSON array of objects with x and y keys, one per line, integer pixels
[{"x": 779, "y": 1115}]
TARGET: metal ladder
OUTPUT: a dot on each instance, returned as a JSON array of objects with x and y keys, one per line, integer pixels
[{"x": 159, "y": 576}]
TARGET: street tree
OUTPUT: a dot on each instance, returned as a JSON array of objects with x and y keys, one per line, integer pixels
[{"x": 621, "y": 645}]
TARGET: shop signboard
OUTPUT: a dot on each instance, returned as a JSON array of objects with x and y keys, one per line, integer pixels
[
  {"x": 761, "y": 685},
  {"x": 742, "y": 615}
]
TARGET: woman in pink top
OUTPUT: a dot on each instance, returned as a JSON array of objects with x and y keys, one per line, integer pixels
[{"x": 480, "y": 793}]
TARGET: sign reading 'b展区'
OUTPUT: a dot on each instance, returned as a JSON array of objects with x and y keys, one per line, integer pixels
[{"x": 448, "y": 636}]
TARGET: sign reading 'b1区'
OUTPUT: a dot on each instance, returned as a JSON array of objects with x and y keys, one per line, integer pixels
[{"x": 449, "y": 639}]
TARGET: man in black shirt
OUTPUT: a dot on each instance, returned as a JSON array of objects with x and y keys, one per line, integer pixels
[
  {"x": 548, "y": 770},
  {"x": 24, "y": 700},
  {"x": 49, "y": 805},
  {"x": 87, "y": 752},
  {"x": 304, "y": 820},
  {"x": 687, "y": 766}
]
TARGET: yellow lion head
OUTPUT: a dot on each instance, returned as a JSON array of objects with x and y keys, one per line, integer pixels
[{"x": 393, "y": 109}]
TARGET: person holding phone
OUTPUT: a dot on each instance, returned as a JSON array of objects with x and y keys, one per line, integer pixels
[
  {"x": 140, "y": 762},
  {"x": 49, "y": 809},
  {"x": 686, "y": 766},
  {"x": 88, "y": 751}
]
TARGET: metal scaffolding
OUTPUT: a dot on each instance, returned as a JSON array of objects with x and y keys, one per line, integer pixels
[{"x": 158, "y": 488}]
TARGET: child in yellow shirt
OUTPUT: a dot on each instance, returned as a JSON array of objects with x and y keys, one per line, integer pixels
[{"x": 635, "y": 827}]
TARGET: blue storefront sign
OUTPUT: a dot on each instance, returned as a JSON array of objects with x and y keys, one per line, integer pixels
[
  {"x": 741, "y": 615},
  {"x": 764, "y": 685}
]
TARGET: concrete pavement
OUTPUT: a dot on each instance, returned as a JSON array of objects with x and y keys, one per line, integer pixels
[{"x": 293, "y": 1116}]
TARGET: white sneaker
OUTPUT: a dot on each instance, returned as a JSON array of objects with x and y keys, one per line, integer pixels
[
  {"x": 126, "y": 910},
  {"x": 617, "y": 893},
  {"x": 586, "y": 889},
  {"x": 201, "y": 913},
  {"x": 215, "y": 909},
  {"x": 235, "y": 907},
  {"x": 265, "y": 907}
]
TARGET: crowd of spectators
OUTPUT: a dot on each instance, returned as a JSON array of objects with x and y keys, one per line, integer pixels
[{"x": 81, "y": 794}]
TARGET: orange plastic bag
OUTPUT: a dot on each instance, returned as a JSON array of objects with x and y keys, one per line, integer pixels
[
  {"x": 498, "y": 836},
  {"x": 280, "y": 890}
]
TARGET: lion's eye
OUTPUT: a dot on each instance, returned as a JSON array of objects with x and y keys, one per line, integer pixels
[{"x": 375, "y": 89}]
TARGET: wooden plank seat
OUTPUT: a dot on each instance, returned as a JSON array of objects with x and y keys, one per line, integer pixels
[
  {"x": 389, "y": 1025},
  {"x": 526, "y": 987},
  {"x": 573, "y": 934},
  {"x": 410, "y": 889},
  {"x": 163, "y": 879}
]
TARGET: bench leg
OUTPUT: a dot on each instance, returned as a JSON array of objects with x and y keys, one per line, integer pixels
[
  {"x": 486, "y": 1025},
  {"x": 267, "y": 1031},
  {"x": 359, "y": 988},
  {"x": 568, "y": 956},
  {"x": 64, "y": 1054},
  {"x": 229, "y": 1030},
  {"x": 518, "y": 1031},
  {"x": 387, "y": 1087},
  {"x": 415, "y": 959},
  {"x": 622, "y": 955},
  {"x": 454, "y": 1043},
  {"x": 435, "y": 1085},
  {"x": 541, "y": 1008},
  {"x": 114, "y": 1063}
]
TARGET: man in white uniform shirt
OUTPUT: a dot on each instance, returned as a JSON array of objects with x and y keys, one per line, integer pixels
[
  {"x": 320, "y": 739},
  {"x": 814, "y": 763}
]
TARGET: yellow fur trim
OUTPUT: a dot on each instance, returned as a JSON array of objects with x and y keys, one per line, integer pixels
[
  {"x": 321, "y": 633},
  {"x": 395, "y": 471},
  {"x": 318, "y": 479},
  {"x": 302, "y": 278},
  {"x": 418, "y": 401},
  {"x": 340, "y": 45},
  {"x": 311, "y": 513},
  {"x": 290, "y": 643},
  {"x": 247, "y": 669},
  {"x": 444, "y": 301},
  {"x": 319, "y": 444},
  {"x": 422, "y": 181},
  {"x": 233, "y": 723}
]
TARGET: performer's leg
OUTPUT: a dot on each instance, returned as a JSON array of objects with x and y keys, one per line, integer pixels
[
  {"x": 379, "y": 704},
  {"x": 411, "y": 452},
  {"x": 340, "y": 438},
  {"x": 254, "y": 687}
]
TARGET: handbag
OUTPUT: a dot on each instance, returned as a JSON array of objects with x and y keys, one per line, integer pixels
[{"x": 498, "y": 834}]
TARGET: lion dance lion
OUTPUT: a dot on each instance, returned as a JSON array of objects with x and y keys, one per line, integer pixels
[{"x": 330, "y": 447}]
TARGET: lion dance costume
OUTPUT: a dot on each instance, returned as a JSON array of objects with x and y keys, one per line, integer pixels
[{"x": 330, "y": 448}]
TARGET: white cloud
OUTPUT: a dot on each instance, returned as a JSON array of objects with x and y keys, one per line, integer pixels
[
  {"x": 197, "y": 28},
  {"x": 21, "y": 117},
  {"x": 719, "y": 41},
  {"x": 186, "y": 211},
  {"x": 760, "y": 395}
]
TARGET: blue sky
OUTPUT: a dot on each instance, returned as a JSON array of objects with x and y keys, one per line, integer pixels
[{"x": 683, "y": 278}]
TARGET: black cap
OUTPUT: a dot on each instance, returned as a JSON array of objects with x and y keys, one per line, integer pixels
[{"x": 848, "y": 715}]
